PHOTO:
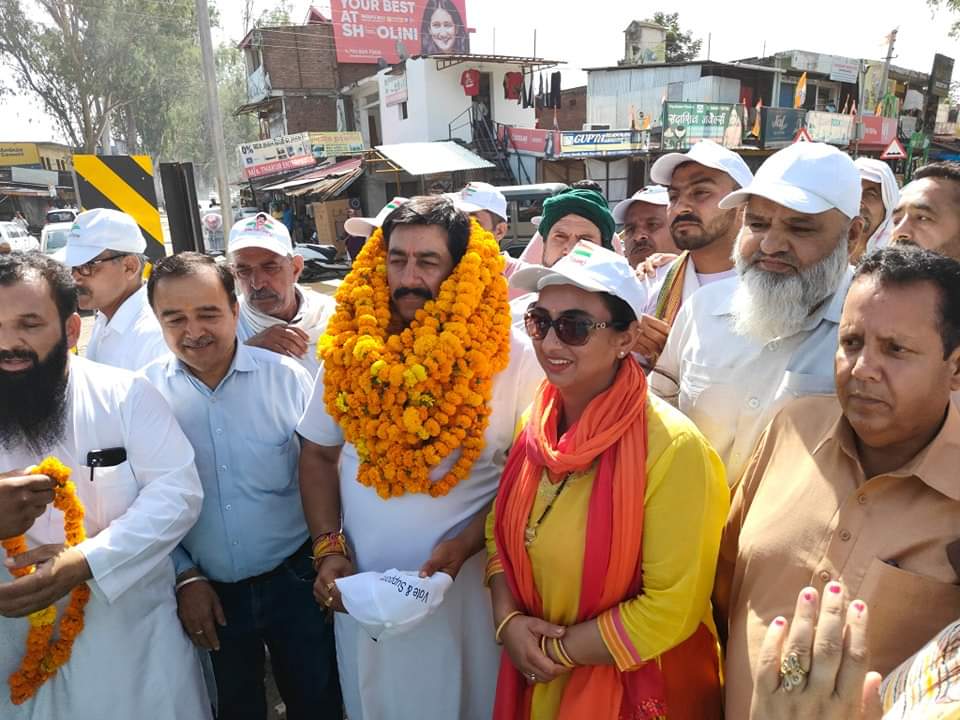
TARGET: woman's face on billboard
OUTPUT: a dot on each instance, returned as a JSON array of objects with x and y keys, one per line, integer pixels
[{"x": 443, "y": 30}]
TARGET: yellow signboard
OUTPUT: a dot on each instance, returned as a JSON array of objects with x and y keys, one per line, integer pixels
[
  {"x": 19, "y": 154},
  {"x": 336, "y": 144}
]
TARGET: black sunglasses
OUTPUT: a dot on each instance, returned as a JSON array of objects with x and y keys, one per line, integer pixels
[{"x": 570, "y": 329}]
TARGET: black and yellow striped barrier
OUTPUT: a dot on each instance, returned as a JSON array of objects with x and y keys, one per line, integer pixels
[{"x": 125, "y": 183}]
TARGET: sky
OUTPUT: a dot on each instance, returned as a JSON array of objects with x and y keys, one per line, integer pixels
[{"x": 593, "y": 36}]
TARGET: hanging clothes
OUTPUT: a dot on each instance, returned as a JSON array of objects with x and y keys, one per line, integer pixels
[
  {"x": 470, "y": 81},
  {"x": 512, "y": 84},
  {"x": 531, "y": 100},
  {"x": 555, "y": 94}
]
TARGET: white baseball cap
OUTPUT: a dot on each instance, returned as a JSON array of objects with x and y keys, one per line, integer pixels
[
  {"x": 260, "y": 231},
  {"x": 97, "y": 230},
  {"x": 706, "y": 153},
  {"x": 391, "y": 603},
  {"x": 364, "y": 227},
  {"x": 477, "y": 196},
  {"x": 651, "y": 194},
  {"x": 589, "y": 267},
  {"x": 810, "y": 178}
]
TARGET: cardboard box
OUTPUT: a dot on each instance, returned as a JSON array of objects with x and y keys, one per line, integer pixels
[{"x": 329, "y": 218}]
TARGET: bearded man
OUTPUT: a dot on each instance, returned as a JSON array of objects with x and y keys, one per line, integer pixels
[
  {"x": 406, "y": 434},
  {"x": 742, "y": 347},
  {"x": 135, "y": 478}
]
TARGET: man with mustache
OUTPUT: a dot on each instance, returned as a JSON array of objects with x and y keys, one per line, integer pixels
[
  {"x": 857, "y": 491},
  {"x": 445, "y": 667},
  {"x": 742, "y": 347},
  {"x": 704, "y": 232},
  {"x": 105, "y": 253},
  {"x": 244, "y": 577},
  {"x": 927, "y": 214},
  {"x": 134, "y": 475},
  {"x": 880, "y": 195},
  {"x": 275, "y": 312},
  {"x": 645, "y": 229}
]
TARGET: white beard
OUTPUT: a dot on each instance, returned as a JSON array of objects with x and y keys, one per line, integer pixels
[{"x": 767, "y": 305}]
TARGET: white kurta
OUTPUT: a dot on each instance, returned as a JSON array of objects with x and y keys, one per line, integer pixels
[
  {"x": 131, "y": 339},
  {"x": 132, "y": 659},
  {"x": 446, "y": 666}
]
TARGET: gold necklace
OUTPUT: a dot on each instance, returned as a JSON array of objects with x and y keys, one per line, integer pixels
[{"x": 530, "y": 534}]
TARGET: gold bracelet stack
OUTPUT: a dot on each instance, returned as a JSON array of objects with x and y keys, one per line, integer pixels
[
  {"x": 503, "y": 624},
  {"x": 562, "y": 654}
]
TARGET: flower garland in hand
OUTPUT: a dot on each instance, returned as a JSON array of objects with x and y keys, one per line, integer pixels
[
  {"x": 407, "y": 401},
  {"x": 45, "y": 655}
]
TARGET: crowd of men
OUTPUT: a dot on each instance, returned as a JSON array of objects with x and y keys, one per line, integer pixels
[{"x": 806, "y": 318}]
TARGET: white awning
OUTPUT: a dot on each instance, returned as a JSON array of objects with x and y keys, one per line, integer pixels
[{"x": 430, "y": 158}]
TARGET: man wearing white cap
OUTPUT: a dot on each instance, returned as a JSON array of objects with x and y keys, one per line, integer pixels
[
  {"x": 104, "y": 250},
  {"x": 880, "y": 195},
  {"x": 486, "y": 204},
  {"x": 364, "y": 226},
  {"x": 644, "y": 219},
  {"x": 275, "y": 312},
  {"x": 741, "y": 348},
  {"x": 697, "y": 181}
]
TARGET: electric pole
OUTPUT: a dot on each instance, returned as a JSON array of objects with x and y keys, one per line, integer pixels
[
  {"x": 892, "y": 38},
  {"x": 216, "y": 122}
]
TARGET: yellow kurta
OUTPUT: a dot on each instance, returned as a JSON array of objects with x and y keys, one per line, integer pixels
[{"x": 686, "y": 503}]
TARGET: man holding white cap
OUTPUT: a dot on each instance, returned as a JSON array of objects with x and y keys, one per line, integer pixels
[
  {"x": 644, "y": 219},
  {"x": 104, "y": 252},
  {"x": 743, "y": 347},
  {"x": 880, "y": 195},
  {"x": 486, "y": 204},
  {"x": 705, "y": 232},
  {"x": 275, "y": 312},
  {"x": 364, "y": 226}
]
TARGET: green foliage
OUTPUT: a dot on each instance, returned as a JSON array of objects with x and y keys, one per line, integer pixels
[
  {"x": 680, "y": 45},
  {"x": 279, "y": 15},
  {"x": 951, "y": 6}
]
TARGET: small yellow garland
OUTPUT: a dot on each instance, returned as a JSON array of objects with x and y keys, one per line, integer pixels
[
  {"x": 45, "y": 655},
  {"x": 407, "y": 401}
]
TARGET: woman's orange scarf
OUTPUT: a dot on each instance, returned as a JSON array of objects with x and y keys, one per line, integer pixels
[{"x": 614, "y": 429}]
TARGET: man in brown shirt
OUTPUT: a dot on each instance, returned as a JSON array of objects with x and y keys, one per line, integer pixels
[{"x": 862, "y": 488}]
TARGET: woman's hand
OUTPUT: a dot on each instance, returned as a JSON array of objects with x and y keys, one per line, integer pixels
[
  {"x": 325, "y": 590},
  {"x": 817, "y": 668},
  {"x": 521, "y": 638}
]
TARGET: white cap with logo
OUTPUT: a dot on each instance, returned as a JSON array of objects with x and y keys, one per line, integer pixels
[
  {"x": 706, "y": 153},
  {"x": 589, "y": 267},
  {"x": 477, "y": 196},
  {"x": 391, "y": 603},
  {"x": 809, "y": 178},
  {"x": 261, "y": 231},
  {"x": 97, "y": 230},
  {"x": 651, "y": 194},
  {"x": 364, "y": 226}
]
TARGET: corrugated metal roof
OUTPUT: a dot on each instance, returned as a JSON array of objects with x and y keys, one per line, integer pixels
[
  {"x": 312, "y": 176},
  {"x": 429, "y": 158}
]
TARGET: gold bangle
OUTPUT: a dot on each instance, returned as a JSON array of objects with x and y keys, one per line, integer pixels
[
  {"x": 565, "y": 658},
  {"x": 543, "y": 646},
  {"x": 503, "y": 624}
]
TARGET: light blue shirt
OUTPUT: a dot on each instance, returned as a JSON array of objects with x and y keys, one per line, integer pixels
[{"x": 244, "y": 436}]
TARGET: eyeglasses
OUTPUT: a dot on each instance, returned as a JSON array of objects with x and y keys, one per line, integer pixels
[
  {"x": 86, "y": 270},
  {"x": 570, "y": 329}
]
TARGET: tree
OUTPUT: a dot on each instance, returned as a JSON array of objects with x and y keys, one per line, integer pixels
[
  {"x": 952, "y": 6},
  {"x": 680, "y": 45}
]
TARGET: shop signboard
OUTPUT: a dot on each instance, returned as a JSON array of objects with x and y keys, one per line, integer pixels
[
  {"x": 395, "y": 88},
  {"x": 780, "y": 126},
  {"x": 832, "y": 128},
  {"x": 686, "y": 123},
  {"x": 603, "y": 143},
  {"x": 529, "y": 141},
  {"x": 878, "y": 131},
  {"x": 325, "y": 145},
  {"x": 12, "y": 153},
  {"x": 276, "y": 155}
]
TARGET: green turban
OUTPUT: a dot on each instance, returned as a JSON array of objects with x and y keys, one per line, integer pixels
[{"x": 587, "y": 204}]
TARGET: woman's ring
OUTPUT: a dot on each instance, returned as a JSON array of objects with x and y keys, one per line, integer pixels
[{"x": 792, "y": 674}]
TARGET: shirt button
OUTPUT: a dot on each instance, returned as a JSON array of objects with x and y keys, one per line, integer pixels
[
  {"x": 213, "y": 399},
  {"x": 753, "y": 404},
  {"x": 774, "y": 346},
  {"x": 236, "y": 542},
  {"x": 228, "y": 507},
  {"x": 219, "y": 431},
  {"x": 862, "y": 499},
  {"x": 825, "y": 576},
  {"x": 845, "y": 535},
  {"x": 223, "y": 467}
]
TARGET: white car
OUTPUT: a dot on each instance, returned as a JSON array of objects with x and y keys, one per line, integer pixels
[
  {"x": 53, "y": 237},
  {"x": 61, "y": 215},
  {"x": 13, "y": 236}
]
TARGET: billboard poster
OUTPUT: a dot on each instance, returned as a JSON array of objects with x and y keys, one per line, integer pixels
[
  {"x": 603, "y": 143},
  {"x": 878, "y": 131},
  {"x": 529, "y": 141},
  {"x": 276, "y": 155},
  {"x": 368, "y": 31},
  {"x": 334, "y": 144},
  {"x": 832, "y": 128},
  {"x": 686, "y": 123},
  {"x": 780, "y": 126}
]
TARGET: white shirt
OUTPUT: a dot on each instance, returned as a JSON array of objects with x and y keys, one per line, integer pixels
[
  {"x": 131, "y": 339},
  {"x": 730, "y": 385},
  {"x": 692, "y": 281},
  {"x": 132, "y": 659}
]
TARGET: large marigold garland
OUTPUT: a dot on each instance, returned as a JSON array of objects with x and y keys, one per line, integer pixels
[
  {"x": 406, "y": 401},
  {"x": 45, "y": 655}
]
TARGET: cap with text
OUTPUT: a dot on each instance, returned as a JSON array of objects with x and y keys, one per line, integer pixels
[
  {"x": 97, "y": 230},
  {"x": 651, "y": 194},
  {"x": 589, "y": 267},
  {"x": 364, "y": 226},
  {"x": 477, "y": 196},
  {"x": 706, "y": 153},
  {"x": 261, "y": 231},
  {"x": 809, "y": 178}
]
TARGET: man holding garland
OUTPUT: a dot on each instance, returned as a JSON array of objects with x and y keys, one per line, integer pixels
[{"x": 405, "y": 437}]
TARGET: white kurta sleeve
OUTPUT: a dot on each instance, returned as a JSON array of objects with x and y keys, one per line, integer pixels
[
  {"x": 316, "y": 425},
  {"x": 665, "y": 378},
  {"x": 167, "y": 503}
]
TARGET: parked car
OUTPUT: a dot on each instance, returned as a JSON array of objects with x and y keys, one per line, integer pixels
[
  {"x": 62, "y": 215},
  {"x": 13, "y": 235},
  {"x": 524, "y": 202},
  {"x": 53, "y": 237}
]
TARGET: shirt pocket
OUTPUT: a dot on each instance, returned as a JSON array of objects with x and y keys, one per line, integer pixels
[
  {"x": 796, "y": 384},
  {"x": 906, "y": 611},
  {"x": 271, "y": 467},
  {"x": 115, "y": 489}
]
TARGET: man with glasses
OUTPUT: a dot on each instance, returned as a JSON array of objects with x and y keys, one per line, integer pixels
[
  {"x": 275, "y": 312},
  {"x": 104, "y": 251}
]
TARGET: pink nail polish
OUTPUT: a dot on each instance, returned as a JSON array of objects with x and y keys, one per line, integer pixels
[
  {"x": 779, "y": 622},
  {"x": 859, "y": 607},
  {"x": 808, "y": 596},
  {"x": 835, "y": 588}
]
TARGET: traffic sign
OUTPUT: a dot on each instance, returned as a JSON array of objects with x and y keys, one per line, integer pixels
[
  {"x": 802, "y": 136},
  {"x": 894, "y": 151}
]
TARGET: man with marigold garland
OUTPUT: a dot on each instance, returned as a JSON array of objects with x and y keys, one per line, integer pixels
[{"x": 405, "y": 437}]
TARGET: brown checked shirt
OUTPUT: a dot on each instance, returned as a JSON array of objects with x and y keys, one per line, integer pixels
[{"x": 805, "y": 514}]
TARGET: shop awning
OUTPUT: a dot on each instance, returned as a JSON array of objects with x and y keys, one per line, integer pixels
[
  {"x": 256, "y": 106},
  {"x": 21, "y": 191},
  {"x": 325, "y": 182},
  {"x": 430, "y": 158},
  {"x": 316, "y": 174}
]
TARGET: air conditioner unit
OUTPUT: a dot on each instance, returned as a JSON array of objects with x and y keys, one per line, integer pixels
[{"x": 590, "y": 127}]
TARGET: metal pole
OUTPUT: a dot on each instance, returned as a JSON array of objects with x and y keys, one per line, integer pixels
[
  {"x": 886, "y": 65},
  {"x": 216, "y": 122},
  {"x": 861, "y": 97}
]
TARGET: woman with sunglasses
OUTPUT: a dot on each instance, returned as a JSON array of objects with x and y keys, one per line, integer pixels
[{"x": 604, "y": 536}]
